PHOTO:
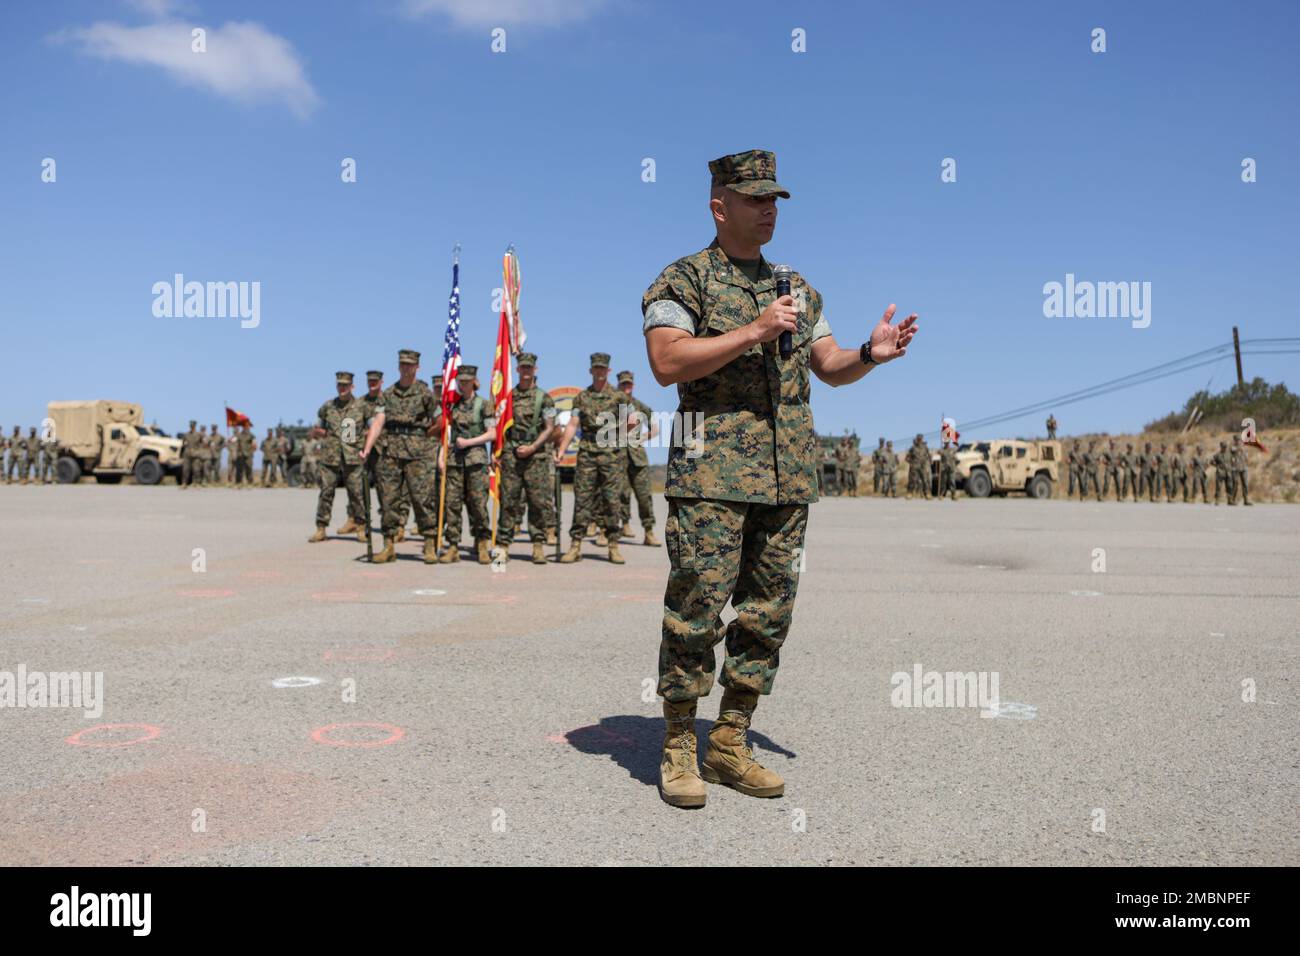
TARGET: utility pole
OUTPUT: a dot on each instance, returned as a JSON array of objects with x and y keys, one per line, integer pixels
[{"x": 1236, "y": 347}]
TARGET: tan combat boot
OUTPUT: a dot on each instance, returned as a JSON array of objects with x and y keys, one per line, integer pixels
[
  {"x": 574, "y": 554},
  {"x": 401, "y": 535},
  {"x": 679, "y": 778},
  {"x": 552, "y": 536},
  {"x": 730, "y": 761},
  {"x": 450, "y": 554},
  {"x": 361, "y": 533},
  {"x": 627, "y": 531},
  {"x": 481, "y": 546},
  {"x": 601, "y": 540},
  {"x": 539, "y": 553},
  {"x": 383, "y": 557},
  {"x": 591, "y": 530},
  {"x": 615, "y": 556},
  {"x": 430, "y": 551},
  {"x": 650, "y": 540},
  {"x": 318, "y": 536},
  {"x": 349, "y": 526}
]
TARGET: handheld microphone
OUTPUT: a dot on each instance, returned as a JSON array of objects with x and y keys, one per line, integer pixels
[{"x": 782, "y": 276}]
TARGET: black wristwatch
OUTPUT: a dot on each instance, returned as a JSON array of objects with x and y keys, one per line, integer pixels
[{"x": 864, "y": 353}]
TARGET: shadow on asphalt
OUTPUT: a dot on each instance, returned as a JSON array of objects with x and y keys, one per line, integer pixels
[{"x": 635, "y": 743}]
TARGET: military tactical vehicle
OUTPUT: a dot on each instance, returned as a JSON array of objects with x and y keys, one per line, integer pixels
[
  {"x": 109, "y": 440},
  {"x": 1004, "y": 465},
  {"x": 827, "y": 465}
]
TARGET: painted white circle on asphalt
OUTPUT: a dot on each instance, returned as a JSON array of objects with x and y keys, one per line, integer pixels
[
  {"x": 283, "y": 682},
  {"x": 429, "y": 592}
]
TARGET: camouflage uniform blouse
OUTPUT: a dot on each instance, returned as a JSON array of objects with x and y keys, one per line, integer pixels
[
  {"x": 344, "y": 420},
  {"x": 408, "y": 413}
]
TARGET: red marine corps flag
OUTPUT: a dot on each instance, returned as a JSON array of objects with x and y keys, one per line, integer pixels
[
  {"x": 235, "y": 419},
  {"x": 502, "y": 384}
]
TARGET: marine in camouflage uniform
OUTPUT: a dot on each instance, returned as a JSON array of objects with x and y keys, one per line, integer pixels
[
  {"x": 1177, "y": 474},
  {"x": 1222, "y": 462},
  {"x": 191, "y": 462},
  {"x": 216, "y": 442},
  {"x": 525, "y": 477},
  {"x": 309, "y": 464},
  {"x": 16, "y": 447},
  {"x": 740, "y": 482},
  {"x": 1128, "y": 469},
  {"x": 241, "y": 457},
  {"x": 918, "y": 468},
  {"x": 889, "y": 478},
  {"x": 638, "y": 463},
  {"x": 1110, "y": 471},
  {"x": 877, "y": 466},
  {"x": 1162, "y": 473},
  {"x": 341, "y": 428},
  {"x": 948, "y": 471},
  {"x": 374, "y": 393},
  {"x": 1240, "y": 476},
  {"x": 601, "y": 470},
  {"x": 1146, "y": 463},
  {"x": 1051, "y": 428},
  {"x": 49, "y": 450},
  {"x": 404, "y": 415},
  {"x": 471, "y": 426},
  {"x": 270, "y": 448},
  {"x": 1197, "y": 466},
  {"x": 1089, "y": 470},
  {"x": 1075, "y": 460}
]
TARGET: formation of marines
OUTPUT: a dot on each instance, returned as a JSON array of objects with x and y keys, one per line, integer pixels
[
  {"x": 28, "y": 459},
  {"x": 202, "y": 447},
  {"x": 1159, "y": 475},
  {"x": 395, "y": 436}
]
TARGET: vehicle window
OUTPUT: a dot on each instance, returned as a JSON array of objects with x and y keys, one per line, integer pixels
[
  {"x": 1049, "y": 453},
  {"x": 1020, "y": 453},
  {"x": 116, "y": 434},
  {"x": 1005, "y": 451}
]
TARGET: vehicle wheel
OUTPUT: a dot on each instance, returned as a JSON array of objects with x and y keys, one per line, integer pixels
[
  {"x": 148, "y": 471},
  {"x": 1040, "y": 486},
  {"x": 979, "y": 485},
  {"x": 295, "y": 476},
  {"x": 68, "y": 471},
  {"x": 108, "y": 479}
]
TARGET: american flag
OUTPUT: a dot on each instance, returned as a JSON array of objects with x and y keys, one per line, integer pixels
[{"x": 451, "y": 348}]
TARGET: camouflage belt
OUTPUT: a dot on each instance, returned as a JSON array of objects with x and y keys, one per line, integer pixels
[{"x": 400, "y": 429}]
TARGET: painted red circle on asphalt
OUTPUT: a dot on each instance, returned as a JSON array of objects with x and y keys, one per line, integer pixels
[
  {"x": 207, "y": 593},
  {"x": 150, "y": 732},
  {"x": 321, "y": 735},
  {"x": 336, "y": 595}
]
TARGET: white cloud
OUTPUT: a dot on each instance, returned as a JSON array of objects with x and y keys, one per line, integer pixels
[
  {"x": 480, "y": 13},
  {"x": 243, "y": 61}
]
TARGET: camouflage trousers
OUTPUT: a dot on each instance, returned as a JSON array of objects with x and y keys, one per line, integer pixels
[
  {"x": 403, "y": 482},
  {"x": 17, "y": 466},
  {"x": 1108, "y": 476},
  {"x": 271, "y": 466},
  {"x": 1130, "y": 484},
  {"x": 947, "y": 482},
  {"x": 214, "y": 471},
  {"x": 526, "y": 481},
  {"x": 1076, "y": 478},
  {"x": 331, "y": 476},
  {"x": 598, "y": 483},
  {"x": 403, "y": 497},
  {"x": 1161, "y": 487},
  {"x": 918, "y": 481},
  {"x": 242, "y": 471},
  {"x": 720, "y": 551},
  {"x": 1176, "y": 480},
  {"x": 1223, "y": 480},
  {"x": 638, "y": 483},
  {"x": 1239, "y": 483},
  {"x": 889, "y": 484},
  {"x": 875, "y": 480},
  {"x": 467, "y": 488},
  {"x": 1198, "y": 482},
  {"x": 192, "y": 470}
]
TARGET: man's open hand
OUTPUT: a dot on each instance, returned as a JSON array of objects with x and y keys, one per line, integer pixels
[{"x": 889, "y": 341}]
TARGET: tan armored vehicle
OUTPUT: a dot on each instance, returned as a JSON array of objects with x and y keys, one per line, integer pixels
[
  {"x": 1007, "y": 464},
  {"x": 108, "y": 440}
]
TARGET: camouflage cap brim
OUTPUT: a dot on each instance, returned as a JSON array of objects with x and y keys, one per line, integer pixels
[{"x": 760, "y": 187}]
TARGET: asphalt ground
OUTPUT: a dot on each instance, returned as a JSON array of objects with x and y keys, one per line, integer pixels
[{"x": 464, "y": 715}]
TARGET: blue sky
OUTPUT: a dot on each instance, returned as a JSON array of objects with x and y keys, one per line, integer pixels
[{"x": 1118, "y": 166}]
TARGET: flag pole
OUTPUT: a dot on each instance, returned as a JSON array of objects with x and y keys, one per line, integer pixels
[{"x": 444, "y": 458}]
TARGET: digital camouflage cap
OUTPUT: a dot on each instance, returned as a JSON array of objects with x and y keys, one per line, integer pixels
[
  {"x": 752, "y": 173},
  {"x": 625, "y": 378},
  {"x": 467, "y": 373},
  {"x": 526, "y": 359},
  {"x": 343, "y": 378},
  {"x": 374, "y": 375},
  {"x": 600, "y": 360},
  {"x": 408, "y": 355}
]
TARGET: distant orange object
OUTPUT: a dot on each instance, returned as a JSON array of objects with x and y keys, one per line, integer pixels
[{"x": 234, "y": 418}]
